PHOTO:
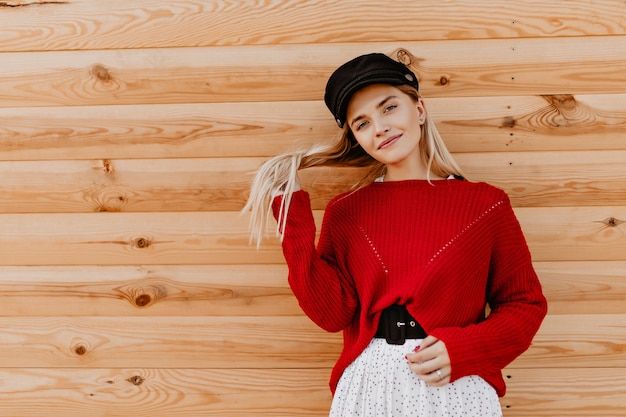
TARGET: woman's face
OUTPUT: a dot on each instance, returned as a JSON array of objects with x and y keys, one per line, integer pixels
[{"x": 387, "y": 124}]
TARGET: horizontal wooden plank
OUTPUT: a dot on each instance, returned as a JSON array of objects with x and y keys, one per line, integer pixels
[
  {"x": 560, "y": 122},
  {"x": 135, "y": 185},
  {"x": 578, "y": 341},
  {"x": 158, "y": 290},
  {"x": 499, "y": 67},
  {"x": 468, "y": 124},
  {"x": 145, "y": 185},
  {"x": 532, "y": 179},
  {"x": 263, "y": 342},
  {"x": 188, "y": 290},
  {"x": 550, "y": 179},
  {"x": 584, "y": 287},
  {"x": 553, "y": 392},
  {"x": 575, "y": 234},
  {"x": 66, "y": 392},
  {"x": 554, "y": 234},
  {"x": 161, "y": 131},
  {"x": 231, "y": 342},
  {"x": 132, "y": 239},
  {"x": 119, "y": 24}
]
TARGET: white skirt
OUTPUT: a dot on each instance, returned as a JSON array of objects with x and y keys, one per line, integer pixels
[{"x": 379, "y": 383}]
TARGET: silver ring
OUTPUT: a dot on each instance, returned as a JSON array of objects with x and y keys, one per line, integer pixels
[{"x": 439, "y": 374}]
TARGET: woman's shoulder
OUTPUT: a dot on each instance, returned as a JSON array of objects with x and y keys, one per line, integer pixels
[
  {"x": 345, "y": 198},
  {"x": 485, "y": 189},
  {"x": 479, "y": 197},
  {"x": 459, "y": 189},
  {"x": 487, "y": 198}
]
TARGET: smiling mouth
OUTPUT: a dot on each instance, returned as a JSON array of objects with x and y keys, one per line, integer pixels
[{"x": 388, "y": 142}]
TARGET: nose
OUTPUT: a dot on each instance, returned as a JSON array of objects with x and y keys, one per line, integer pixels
[{"x": 381, "y": 126}]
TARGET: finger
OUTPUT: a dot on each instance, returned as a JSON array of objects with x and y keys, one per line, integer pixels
[
  {"x": 437, "y": 378},
  {"x": 427, "y": 342},
  {"x": 425, "y": 368},
  {"x": 432, "y": 350}
]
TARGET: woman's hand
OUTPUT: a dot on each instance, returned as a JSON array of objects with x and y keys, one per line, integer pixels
[
  {"x": 431, "y": 362},
  {"x": 295, "y": 186}
]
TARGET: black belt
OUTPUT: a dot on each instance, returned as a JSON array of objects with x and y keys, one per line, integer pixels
[{"x": 396, "y": 325}]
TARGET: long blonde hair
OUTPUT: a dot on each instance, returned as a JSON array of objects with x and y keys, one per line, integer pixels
[{"x": 279, "y": 174}]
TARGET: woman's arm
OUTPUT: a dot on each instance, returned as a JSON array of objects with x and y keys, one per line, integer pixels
[
  {"x": 516, "y": 301},
  {"x": 324, "y": 293}
]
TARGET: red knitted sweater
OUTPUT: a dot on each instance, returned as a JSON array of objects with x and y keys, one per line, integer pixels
[{"x": 444, "y": 249}]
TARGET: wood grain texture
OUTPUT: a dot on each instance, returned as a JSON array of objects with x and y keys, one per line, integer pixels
[
  {"x": 591, "y": 287},
  {"x": 531, "y": 179},
  {"x": 553, "y": 234},
  {"x": 145, "y": 185},
  {"x": 216, "y": 342},
  {"x": 263, "y": 342},
  {"x": 554, "y": 392},
  {"x": 467, "y": 124},
  {"x": 117, "y": 24},
  {"x": 495, "y": 67},
  {"x": 161, "y": 130},
  {"x": 572, "y": 341},
  {"x": 157, "y": 392},
  {"x": 560, "y": 122},
  {"x": 148, "y": 392},
  {"x": 576, "y": 233},
  {"x": 552, "y": 179},
  {"x": 156, "y": 290},
  {"x": 136, "y": 185},
  {"x": 131, "y": 239},
  {"x": 584, "y": 287},
  {"x": 129, "y": 131}
]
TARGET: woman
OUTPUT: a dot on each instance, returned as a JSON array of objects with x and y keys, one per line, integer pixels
[{"x": 408, "y": 263}]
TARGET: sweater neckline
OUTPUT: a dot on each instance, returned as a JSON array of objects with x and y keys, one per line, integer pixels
[
  {"x": 413, "y": 183},
  {"x": 450, "y": 177}
]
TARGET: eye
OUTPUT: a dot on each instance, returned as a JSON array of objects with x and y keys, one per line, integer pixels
[
  {"x": 360, "y": 125},
  {"x": 389, "y": 108}
]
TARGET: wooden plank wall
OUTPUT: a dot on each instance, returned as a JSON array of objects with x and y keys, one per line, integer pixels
[{"x": 128, "y": 133}]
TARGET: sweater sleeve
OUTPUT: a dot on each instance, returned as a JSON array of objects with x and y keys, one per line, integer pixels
[
  {"x": 325, "y": 294},
  {"x": 516, "y": 301}
]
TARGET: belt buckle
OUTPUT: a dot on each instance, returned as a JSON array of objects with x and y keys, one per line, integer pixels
[{"x": 395, "y": 331}]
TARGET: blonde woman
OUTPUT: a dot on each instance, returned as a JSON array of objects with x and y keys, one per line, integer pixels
[{"x": 407, "y": 262}]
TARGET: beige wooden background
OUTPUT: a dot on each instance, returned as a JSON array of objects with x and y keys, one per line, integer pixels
[{"x": 128, "y": 132}]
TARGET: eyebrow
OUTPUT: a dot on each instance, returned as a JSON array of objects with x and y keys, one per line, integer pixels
[{"x": 381, "y": 104}]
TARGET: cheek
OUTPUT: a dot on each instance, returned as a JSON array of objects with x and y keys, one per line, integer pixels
[{"x": 362, "y": 141}]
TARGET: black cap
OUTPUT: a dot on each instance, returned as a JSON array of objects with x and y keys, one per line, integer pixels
[{"x": 360, "y": 72}]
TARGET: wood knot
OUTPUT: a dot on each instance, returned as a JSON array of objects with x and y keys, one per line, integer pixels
[
  {"x": 612, "y": 222},
  {"x": 142, "y": 243},
  {"x": 143, "y": 296},
  {"x": 101, "y": 73},
  {"x": 403, "y": 56},
  {"x": 80, "y": 350},
  {"x": 143, "y": 300},
  {"x": 107, "y": 165},
  {"x": 561, "y": 101},
  {"x": 136, "y": 380},
  {"x": 107, "y": 209},
  {"x": 113, "y": 203},
  {"x": 508, "y": 122},
  {"x": 443, "y": 80}
]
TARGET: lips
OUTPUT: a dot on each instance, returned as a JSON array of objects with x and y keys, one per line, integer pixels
[{"x": 389, "y": 141}]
